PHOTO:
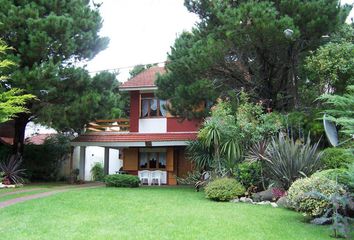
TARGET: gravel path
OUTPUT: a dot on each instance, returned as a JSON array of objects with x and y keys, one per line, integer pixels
[
  {"x": 21, "y": 191},
  {"x": 50, "y": 192}
]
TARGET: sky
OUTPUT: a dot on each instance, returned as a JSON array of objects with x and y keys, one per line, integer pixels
[{"x": 141, "y": 32}]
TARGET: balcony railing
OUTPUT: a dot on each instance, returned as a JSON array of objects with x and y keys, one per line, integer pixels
[{"x": 109, "y": 125}]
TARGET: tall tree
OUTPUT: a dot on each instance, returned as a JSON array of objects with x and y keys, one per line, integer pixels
[
  {"x": 255, "y": 45},
  {"x": 48, "y": 37},
  {"x": 331, "y": 67}
]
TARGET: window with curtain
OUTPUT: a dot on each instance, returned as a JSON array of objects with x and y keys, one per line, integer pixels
[
  {"x": 153, "y": 107},
  {"x": 143, "y": 160},
  {"x": 152, "y": 160}
]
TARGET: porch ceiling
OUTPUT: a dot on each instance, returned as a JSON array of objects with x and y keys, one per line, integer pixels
[{"x": 134, "y": 139}]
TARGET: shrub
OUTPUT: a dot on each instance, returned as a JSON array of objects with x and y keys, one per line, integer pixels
[
  {"x": 350, "y": 174},
  {"x": 11, "y": 170},
  {"x": 43, "y": 162},
  {"x": 122, "y": 180},
  {"x": 340, "y": 175},
  {"x": 97, "y": 172},
  {"x": 249, "y": 174},
  {"x": 288, "y": 160},
  {"x": 224, "y": 189},
  {"x": 336, "y": 158},
  {"x": 302, "y": 201}
]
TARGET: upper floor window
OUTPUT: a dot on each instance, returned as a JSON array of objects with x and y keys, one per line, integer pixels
[{"x": 153, "y": 107}]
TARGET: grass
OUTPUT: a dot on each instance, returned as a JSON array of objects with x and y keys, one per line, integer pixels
[
  {"x": 19, "y": 194},
  {"x": 48, "y": 185},
  {"x": 150, "y": 213}
]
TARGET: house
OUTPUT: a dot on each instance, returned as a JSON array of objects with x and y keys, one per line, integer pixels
[{"x": 150, "y": 139}]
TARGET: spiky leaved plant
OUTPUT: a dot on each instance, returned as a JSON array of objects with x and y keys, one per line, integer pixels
[
  {"x": 12, "y": 170},
  {"x": 288, "y": 160},
  {"x": 258, "y": 153}
]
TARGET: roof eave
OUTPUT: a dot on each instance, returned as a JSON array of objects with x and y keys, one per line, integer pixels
[
  {"x": 127, "y": 89},
  {"x": 132, "y": 144}
]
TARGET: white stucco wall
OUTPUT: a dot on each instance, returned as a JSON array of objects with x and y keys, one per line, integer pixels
[
  {"x": 153, "y": 125},
  {"x": 96, "y": 154}
]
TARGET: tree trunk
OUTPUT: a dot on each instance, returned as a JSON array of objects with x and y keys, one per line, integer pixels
[{"x": 19, "y": 135}]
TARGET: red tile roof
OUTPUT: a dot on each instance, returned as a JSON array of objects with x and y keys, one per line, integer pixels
[
  {"x": 144, "y": 79},
  {"x": 38, "y": 139},
  {"x": 136, "y": 137},
  {"x": 7, "y": 140}
]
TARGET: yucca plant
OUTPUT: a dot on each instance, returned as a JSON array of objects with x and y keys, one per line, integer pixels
[
  {"x": 288, "y": 160},
  {"x": 200, "y": 155},
  {"x": 12, "y": 170}
]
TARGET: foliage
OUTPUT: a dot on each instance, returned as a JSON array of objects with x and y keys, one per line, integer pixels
[
  {"x": 228, "y": 132},
  {"x": 50, "y": 38},
  {"x": 340, "y": 109},
  {"x": 257, "y": 153},
  {"x": 299, "y": 124},
  {"x": 288, "y": 160},
  {"x": 191, "y": 178},
  {"x": 12, "y": 170},
  {"x": 336, "y": 158},
  {"x": 331, "y": 67},
  {"x": 199, "y": 154},
  {"x": 249, "y": 174},
  {"x": 301, "y": 201},
  {"x": 43, "y": 162},
  {"x": 350, "y": 175},
  {"x": 82, "y": 98},
  {"x": 340, "y": 175},
  {"x": 97, "y": 172},
  {"x": 122, "y": 180},
  {"x": 336, "y": 213},
  {"x": 216, "y": 57},
  {"x": 278, "y": 193},
  {"x": 224, "y": 189},
  {"x": 12, "y": 101},
  {"x": 74, "y": 176}
]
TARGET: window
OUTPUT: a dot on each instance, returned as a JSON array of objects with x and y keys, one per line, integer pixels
[
  {"x": 153, "y": 107},
  {"x": 152, "y": 159}
]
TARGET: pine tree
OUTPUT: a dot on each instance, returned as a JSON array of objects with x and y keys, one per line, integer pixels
[
  {"x": 49, "y": 38},
  {"x": 258, "y": 46}
]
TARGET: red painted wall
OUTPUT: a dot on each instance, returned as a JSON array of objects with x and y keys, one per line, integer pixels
[
  {"x": 177, "y": 125},
  {"x": 134, "y": 111}
]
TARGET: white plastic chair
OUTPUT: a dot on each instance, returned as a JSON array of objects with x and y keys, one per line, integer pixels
[
  {"x": 156, "y": 176},
  {"x": 145, "y": 176}
]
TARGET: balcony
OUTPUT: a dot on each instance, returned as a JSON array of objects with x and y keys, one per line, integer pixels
[{"x": 109, "y": 125}]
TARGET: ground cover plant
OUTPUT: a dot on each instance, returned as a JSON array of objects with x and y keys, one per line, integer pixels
[{"x": 150, "y": 213}]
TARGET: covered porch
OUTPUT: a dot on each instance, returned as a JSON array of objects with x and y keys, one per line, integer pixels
[{"x": 136, "y": 154}]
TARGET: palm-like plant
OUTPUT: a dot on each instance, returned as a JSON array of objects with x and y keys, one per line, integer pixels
[
  {"x": 232, "y": 155},
  {"x": 200, "y": 155},
  {"x": 258, "y": 153},
  {"x": 288, "y": 160},
  {"x": 211, "y": 138},
  {"x": 11, "y": 169}
]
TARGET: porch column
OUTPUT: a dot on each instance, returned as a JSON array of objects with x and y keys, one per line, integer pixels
[
  {"x": 106, "y": 161},
  {"x": 82, "y": 162}
]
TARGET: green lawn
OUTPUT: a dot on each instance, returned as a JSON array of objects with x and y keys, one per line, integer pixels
[{"x": 149, "y": 213}]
